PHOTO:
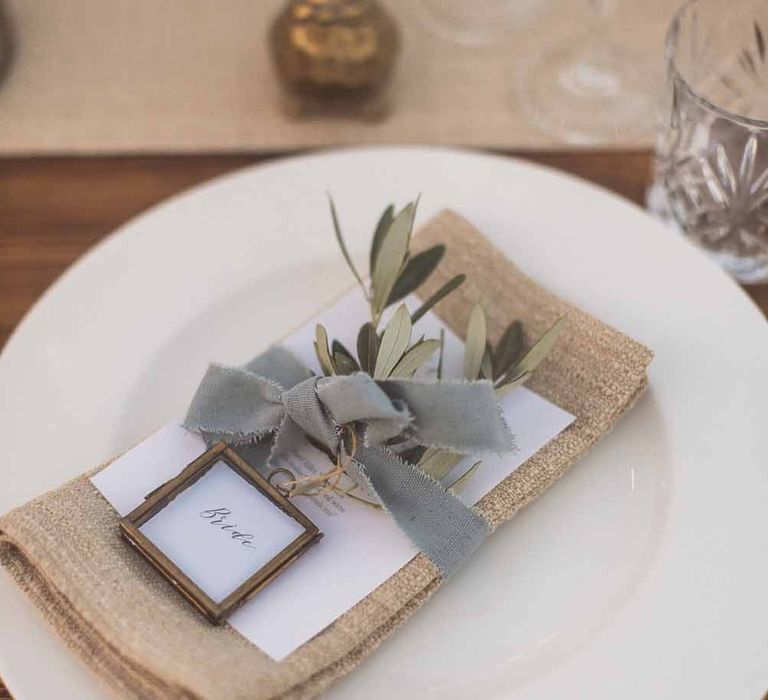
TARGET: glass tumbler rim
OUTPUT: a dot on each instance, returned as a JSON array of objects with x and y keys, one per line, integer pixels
[{"x": 691, "y": 92}]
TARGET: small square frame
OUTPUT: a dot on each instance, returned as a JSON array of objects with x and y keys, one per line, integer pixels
[{"x": 216, "y": 612}]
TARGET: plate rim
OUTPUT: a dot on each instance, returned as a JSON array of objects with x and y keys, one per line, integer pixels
[{"x": 93, "y": 252}]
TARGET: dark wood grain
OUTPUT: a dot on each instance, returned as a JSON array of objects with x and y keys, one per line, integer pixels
[{"x": 53, "y": 209}]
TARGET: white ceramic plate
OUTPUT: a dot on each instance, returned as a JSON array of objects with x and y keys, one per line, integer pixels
[{"x": 643, "y": 574}]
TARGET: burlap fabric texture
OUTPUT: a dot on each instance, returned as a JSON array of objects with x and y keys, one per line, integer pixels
[{"x": 144, "y": 641}]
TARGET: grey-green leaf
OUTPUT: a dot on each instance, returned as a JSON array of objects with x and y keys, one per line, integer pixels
[
  {"x": 338, "y": 346},
  {"x": 441, "y": 356},
  {"x": 344, "y": 363},
  {"x": 322, "y": 351},
  {"x": 486, "y": 366},
  {"x": 509, "y": 348},
  {"x": 474, "y": 347},
  {"x": 391, "y": 257},
  {"x": 464, "y": 477},
  {"x": 394, "y": 342},
  {"x": 385, "y": 221},
  {"x": 438, "y": 296},
  {"x": 367, "y": 347},
  {"x": 439, "y": 463},
  {"x": 508, "y": 385},
  {"x": 413, "y": 455},
  {"x": 414, "y": 358},
  {"x": 416, "y": 272},
  {"x": 343, "y": 359},
  {"x": 343, "y": 245},
  {"x": 540, "y": 349}
]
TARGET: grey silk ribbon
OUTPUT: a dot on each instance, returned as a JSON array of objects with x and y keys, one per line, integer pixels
[{"x": 276, "y": 396}]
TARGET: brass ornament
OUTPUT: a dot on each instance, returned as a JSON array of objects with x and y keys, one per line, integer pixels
[
  {"x": 6, "y": 41},
  {"x": 335, "y": 56}
]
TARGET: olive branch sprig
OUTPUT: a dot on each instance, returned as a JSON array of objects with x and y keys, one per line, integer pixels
[
  {"x": 395, "y": 272},
  {"x": 508, "y": 364}
]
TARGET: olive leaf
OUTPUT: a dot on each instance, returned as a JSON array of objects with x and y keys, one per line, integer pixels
[
  {"x": 394, "y": 342},
  {"x": 414, "y": 358},
  {"x": 390, "y": 258},
  {"x": 504, "y": 388},
  {"x": 344, "y": 363},
  {"x": 413, "y": 455},
  {"x": 486, "y": 366},
  {"x": 540, "y": 349},
  {"x": 509, "y": 348},
  {"x": 474, "y": 348},
  {"x": 338, "y": 347},
  {"x": 415, "y": 272},
  {"x": 343, "y": 246},
  {"x": 438, "y": 296},
  {"x": 439, "y": 463},
  {"x": 520, "y": 373},
  {"x": 343, "y": 360},
  {"x": 322, "y": 351},
  {"x": 385, "y": 221},
  {"x": 464, "y": 477},
  {"x": 367, "y": 347},
  {"x": 442, "y": 353}
]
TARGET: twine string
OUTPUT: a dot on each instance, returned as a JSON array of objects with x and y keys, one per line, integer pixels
[{"x": 316, "y": 485}]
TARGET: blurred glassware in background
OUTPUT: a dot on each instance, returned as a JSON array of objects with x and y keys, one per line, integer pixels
[
  {"x": 6, "y": 41},
  {"x": 475, "y": 23},
  {"x": 591, "y": 90},
  {"x": 711, "y": 171}
]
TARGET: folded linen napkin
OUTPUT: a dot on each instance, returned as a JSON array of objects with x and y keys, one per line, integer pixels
[{"x": 144, "y": 641}]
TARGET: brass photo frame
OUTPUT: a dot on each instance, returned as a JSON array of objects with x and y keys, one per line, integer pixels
[{"x": 215, "y": 611}]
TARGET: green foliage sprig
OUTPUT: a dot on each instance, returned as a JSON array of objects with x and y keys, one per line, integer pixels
[
  {"x": 509, "y": 364},
  {"x": 394, "y": 274}
]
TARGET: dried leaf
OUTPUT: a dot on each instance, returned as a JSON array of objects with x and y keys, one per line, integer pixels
[
  {"x": 509, "y": 348},
  {"x": 394, "y": 342},
  {"x": 364, "y": 501},
  {"x": 474, "y": 347},
  {"x": 438, "y": 296},
  {"x": 322, "y": 351},
  {"x": 414, "y": 358},
  {"x": 540, "y": 349},
  {"x": 391, "y": 257},
  {"x": 464, "y": 477},
  {"x": 367, "y": 347},
  {"x": 439, "y": 463},
  {"x": 343, "y": 246},
  {"x": 415, "y": 272},
  {"x": 385, "y": 221}
]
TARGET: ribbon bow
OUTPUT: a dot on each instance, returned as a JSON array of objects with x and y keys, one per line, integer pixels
[{"x": 276, "y": 396}]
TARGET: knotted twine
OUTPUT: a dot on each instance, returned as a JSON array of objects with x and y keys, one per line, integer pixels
[{"x": 276, "y": 399}]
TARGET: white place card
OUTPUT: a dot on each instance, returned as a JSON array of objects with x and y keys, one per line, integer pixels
[{"x": 328, "y": 580}]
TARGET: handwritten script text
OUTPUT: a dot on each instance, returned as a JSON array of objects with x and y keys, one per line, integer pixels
[{"x": 220, "y": 517}]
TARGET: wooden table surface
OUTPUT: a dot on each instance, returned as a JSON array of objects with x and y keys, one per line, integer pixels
[{"x": 53, "y": 209}]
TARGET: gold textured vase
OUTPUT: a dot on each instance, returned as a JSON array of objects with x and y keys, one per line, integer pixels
[{"x": 335, "y": 56}]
